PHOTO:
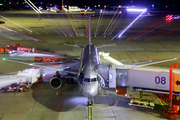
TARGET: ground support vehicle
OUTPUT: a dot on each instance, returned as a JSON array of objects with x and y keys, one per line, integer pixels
[
  {"x": 22, "y": 48},
  {"x": 8, "y": 49},
  {"x": 31, "y": 76}
]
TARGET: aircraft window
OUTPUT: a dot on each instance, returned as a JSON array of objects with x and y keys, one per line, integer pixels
[
  {"x": 86, "y": 79},
  {"x": 98, "y": 78},
  {"x": 93, "y": 79}
]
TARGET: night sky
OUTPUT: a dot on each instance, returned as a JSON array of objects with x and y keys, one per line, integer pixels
[
  {"x": 80, "y": 3},
  {"x": 125, "y": 2},
  {"x": 145, "y": 3}
]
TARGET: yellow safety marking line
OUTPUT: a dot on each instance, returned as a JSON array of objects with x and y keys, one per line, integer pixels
[
  {"x": 161, "y": 102},
  {"x": 90, "y": 112},
  {"x": 112, "y": 116},
  {"x": 129, "y": 56}
]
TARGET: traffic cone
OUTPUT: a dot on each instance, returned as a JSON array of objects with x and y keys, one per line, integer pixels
[{"x": 57, "y": 93}]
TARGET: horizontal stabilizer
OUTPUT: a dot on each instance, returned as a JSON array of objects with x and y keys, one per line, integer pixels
[
  {"x": 74, "y": 45},
  {"x": 105, "y": 45}
]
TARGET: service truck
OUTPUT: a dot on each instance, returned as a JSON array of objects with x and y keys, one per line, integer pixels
[
  {"x": 8, "y": 49},
  {"x": 31, "y": 76},
  {"x": 22, "y": 48},
  {"x": 8, "y": 80}
]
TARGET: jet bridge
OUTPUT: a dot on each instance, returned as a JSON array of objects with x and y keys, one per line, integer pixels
[
  {"x": 145, "y": 79},
  {"x": 162, "y": 83}
]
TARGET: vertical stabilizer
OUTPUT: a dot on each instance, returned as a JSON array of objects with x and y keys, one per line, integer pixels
[
  {"x": 89, "y": 30},
  {"x": 90, "y": 42}
]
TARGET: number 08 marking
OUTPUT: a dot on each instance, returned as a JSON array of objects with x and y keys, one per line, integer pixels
[{"x": 161, "y": 80}]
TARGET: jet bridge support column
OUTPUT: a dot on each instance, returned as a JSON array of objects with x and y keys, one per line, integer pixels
[
  {"x": 170, "y": 85},
  {"x": 173, "y": 110},
  {"x": 121, "y": 80}
]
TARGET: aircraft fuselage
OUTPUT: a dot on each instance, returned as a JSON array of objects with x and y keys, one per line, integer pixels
[{"x": 87, "y": 76}]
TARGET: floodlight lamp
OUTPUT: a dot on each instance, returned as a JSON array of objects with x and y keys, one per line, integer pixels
[{"x": 136, "y": 10}]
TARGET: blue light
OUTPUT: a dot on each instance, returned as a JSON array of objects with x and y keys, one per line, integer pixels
[{"x": 4, "y": 59}]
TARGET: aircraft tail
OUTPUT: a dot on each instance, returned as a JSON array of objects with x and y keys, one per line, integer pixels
[{"x": 89, "y": 30}]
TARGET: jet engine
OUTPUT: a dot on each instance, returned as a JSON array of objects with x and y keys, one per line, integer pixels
[{"x": 55, "y": 82}]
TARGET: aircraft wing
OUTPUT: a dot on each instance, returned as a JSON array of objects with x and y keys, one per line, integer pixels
[
  {"x": 29, "y": 54},
  {"x": 104, "y": 57},
  {"x": 56, "y": 66},
  {"x": 153, "y": 62}
]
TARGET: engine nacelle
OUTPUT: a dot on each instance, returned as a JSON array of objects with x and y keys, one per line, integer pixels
[{"x": 55, "y": 82}]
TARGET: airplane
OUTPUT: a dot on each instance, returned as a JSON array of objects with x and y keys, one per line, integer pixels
[
  {"x": 90, "y": 81},
  {"x": 74, "y": 9}
]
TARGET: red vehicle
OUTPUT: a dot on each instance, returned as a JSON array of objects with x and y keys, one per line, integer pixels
[
  {"x": 22, "y": 48},
  {"x": 45, "y": 59},
  {"x": 54, "y": 60},
  {"x": 8, "y": 49}
]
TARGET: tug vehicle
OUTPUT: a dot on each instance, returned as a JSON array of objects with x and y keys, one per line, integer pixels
[{"x": 8, "y": 49}]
